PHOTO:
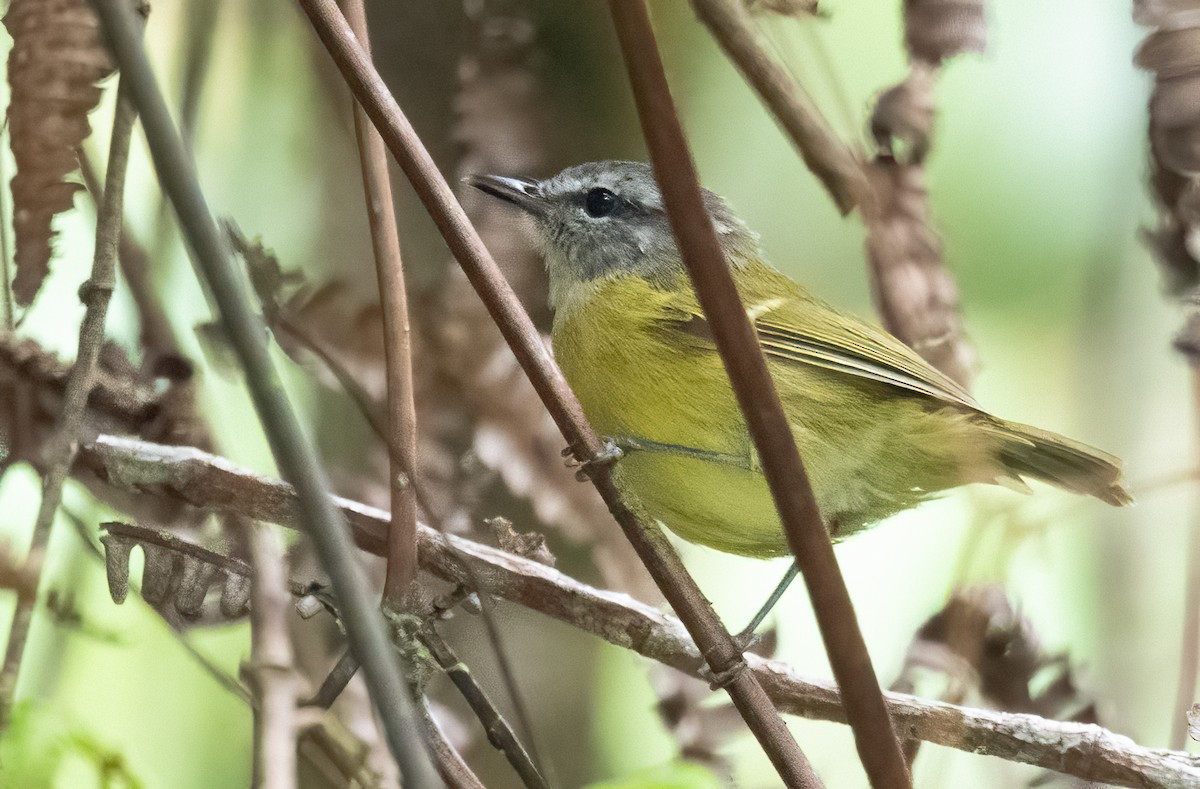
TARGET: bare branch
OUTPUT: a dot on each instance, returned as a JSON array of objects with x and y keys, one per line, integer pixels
[
  {"x": 271, "y": 671},
  {"x": 60, "y": 451},
  {"x": 291, "y": 448},
  {"x": 157, "y": 336},
  {"x": 1085, "y": 751},
  {"x": 499, "y": 733},
  {"x": 738, "y": 345},
  {"x": 834, "y": 164},
  {"x": 397, "y": 339},
  {"x": 450, "y": 765}
]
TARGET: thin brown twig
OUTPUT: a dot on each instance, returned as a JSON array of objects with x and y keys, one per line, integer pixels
[
  {"x": 397, "y": 337},
  {"x": 157, "y": 336},
  {"x": 1085, "y": 751},
  {"x": 271, "y": 670},
  {"x": 647, "y": 538},
  {"x": 335, "y": 682},
  {"x": 60, "y": 451},
  {"x": 834, "y": 164},
  {"x": 499, "y": 733},
  {"x": 807, "y": 537},
  {"x": 449, "y": 762}
]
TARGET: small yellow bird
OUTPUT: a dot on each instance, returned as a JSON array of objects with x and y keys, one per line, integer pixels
[{"x": 878, "y": 428}]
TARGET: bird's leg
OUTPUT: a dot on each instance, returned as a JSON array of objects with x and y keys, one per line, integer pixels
[
  {"x": 629, "y": 444},
  {"x": 746, "y": 637},
  {"x": 610, "y": 452}
]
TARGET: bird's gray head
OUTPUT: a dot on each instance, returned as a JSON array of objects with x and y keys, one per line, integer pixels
[{"x": 604, "y": 219}]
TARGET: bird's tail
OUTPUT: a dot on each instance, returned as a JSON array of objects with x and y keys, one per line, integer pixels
[{"x": 1031, "y": 452}]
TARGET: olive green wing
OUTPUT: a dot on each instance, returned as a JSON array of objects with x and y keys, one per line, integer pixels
[{"x": 795, "y": 327}]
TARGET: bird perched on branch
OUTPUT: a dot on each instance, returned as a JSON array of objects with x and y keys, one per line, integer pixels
[{"x": 878, "y": 428}]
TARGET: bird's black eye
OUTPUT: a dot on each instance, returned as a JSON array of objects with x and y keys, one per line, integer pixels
[{"x": 599, "y": 202}]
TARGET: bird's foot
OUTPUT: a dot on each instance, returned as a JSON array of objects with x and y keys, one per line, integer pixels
[
  {"x": 608, "y": 454},
  {"x": 718, "y": 680}
]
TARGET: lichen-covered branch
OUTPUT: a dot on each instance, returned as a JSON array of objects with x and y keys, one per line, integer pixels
[{"x": 1082, "y": 750}]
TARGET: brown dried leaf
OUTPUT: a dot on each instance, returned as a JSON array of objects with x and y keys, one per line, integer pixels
[
  {"x": 1171, "y": 53},
  {"x": 177, "y": 575},
  {"x": 701, "y": 730},
  {"x": 531, "y": 545},
  {"x": 902, "y": 121},
  {"x": 125, "y": 400},
  {"x": 914, "y": 292},
  {"x": 978, "y": 644},
  {"x": 938, "y": 29},
  {"x": 33, "y": 382},
  {"x": 56, "y": 60}
]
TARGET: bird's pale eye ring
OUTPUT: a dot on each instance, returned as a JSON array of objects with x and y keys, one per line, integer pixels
[{"x": 599, "y": 202}]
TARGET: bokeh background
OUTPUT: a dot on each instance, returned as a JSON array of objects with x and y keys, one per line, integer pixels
[{"x": 1037, "y": 182}]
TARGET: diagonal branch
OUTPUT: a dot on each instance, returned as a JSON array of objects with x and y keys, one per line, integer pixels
[
  {"x": 499, "y": 733},
  {"x": 647, "y": 538},
  {"x": 831, "y": 160},
  {"x": 878, "y": 748},
  {"x": 1085, "y": 751}
]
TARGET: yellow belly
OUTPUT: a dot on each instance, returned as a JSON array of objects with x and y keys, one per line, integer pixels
[
  {"x": 868, "y": 453},
  {"x": 633, "y": 384}
]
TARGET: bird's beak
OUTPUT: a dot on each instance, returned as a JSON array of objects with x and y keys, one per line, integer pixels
[{"x": 524, "y": 193}]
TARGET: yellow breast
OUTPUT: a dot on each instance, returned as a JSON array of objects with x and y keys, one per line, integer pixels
[{"x": 638, "y": 379}]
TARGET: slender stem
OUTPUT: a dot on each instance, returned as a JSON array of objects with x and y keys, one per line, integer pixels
[
  {"x": 293, "y": 452},
  {"x": 1189, "y": 658},
  {"x": 95, "y": 294},
  {"x": 397, "y": 337},
  {"x": 335, "y": 682},
  {"x": 449, "y": 762},
  {"x": 646, "y": 537},
  {"x": 157, "y": 336},
  {"x": 697, "y": 239},
  {"x": 834, "y": 164},
  {"x": 271, "y": 668},
  {"x": 499, "y": 733},
  {"x": 1082, "y": 750}
]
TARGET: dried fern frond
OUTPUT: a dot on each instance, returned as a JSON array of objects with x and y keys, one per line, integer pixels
[
  {"x": 1172, "y": 53},
  {"x": 55, "y": 62}
]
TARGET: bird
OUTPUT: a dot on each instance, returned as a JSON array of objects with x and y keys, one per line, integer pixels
[{"x": 878, "y": 428}]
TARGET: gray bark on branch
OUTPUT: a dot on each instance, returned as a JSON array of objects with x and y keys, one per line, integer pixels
[{"x": 1082, "y": 750}]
